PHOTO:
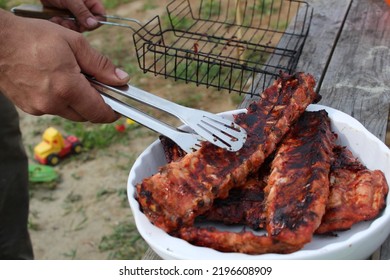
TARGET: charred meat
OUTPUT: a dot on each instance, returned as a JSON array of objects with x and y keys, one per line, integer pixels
[
  {"x": 296, "y": 193},
  {"x": 356, "y": 193},
  {"x": 187, "y": 188}
]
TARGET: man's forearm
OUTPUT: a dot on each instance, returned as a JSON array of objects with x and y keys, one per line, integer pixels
[{"x": 5, "y": 28}]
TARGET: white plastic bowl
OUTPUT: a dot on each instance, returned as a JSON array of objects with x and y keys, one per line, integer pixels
[{"x": 357, "y": 243}]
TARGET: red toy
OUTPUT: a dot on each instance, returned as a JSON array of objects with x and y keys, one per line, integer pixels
[{"x": 54, "y": 147}]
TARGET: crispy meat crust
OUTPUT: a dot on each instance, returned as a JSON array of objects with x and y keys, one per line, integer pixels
[
  {"x": 242, "y": 242},
  {"x": 356, "y": 193},
  {"x": 243, "y": 206},
  {"x": 172, "y": 151},
  {"x": 298, "y": 186},
  {"x": 296, "y": 193},
  {"x": 185, "y": 189}
]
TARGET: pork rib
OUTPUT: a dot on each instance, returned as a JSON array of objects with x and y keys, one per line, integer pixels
[
  {"x": 356, "y": 193},
  {"x": 296, "y": 193},
  {"x": 298, "y": 186},
  {"x": 243, "y": 206},
  {"x": 184, "y": 189}
]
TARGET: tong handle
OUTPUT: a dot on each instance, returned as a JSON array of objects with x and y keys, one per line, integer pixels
[
  {"x": 142, "y": 96},
  {"x": 137, "y": 116},
  {"x": 40, "y": 12}
]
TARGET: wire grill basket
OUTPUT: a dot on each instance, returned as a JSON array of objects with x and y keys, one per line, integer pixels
[{"x": 225, "y": 44}]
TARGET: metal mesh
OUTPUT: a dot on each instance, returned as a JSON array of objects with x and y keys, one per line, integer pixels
[{"x": 225, "y": 43}]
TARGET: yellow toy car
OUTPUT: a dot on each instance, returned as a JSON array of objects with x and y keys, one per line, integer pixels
[{"x": 54, "y": 147}]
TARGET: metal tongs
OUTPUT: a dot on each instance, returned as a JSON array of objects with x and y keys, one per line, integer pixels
[
  {"x": 189, "y": 142},
  {"x": 216, "y": 129},
  {"x": 205, "y": 126}
]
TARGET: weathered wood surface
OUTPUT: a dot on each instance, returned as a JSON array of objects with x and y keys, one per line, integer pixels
[
  {"x": 348, "y": 53},
  {"x": 357, "y": 80},
  {"x": 151, "y": 255}
]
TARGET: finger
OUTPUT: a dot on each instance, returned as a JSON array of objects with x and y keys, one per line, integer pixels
[
  {"x": 96, "y": 7},
  {"x": 86, "y": 12},
  {"x": 88, "y": 103},
  {"x": 82, "y": 12},
  {"x": 95, "y": 64},
  {"x": 70, "y": 114}
]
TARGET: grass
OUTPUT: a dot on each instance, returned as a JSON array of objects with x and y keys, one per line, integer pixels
[
  {"x": 149, "y": 5},
  {"x": 124, "y": 243},
  {"x": 70, "y": 202},
  {"x": 106, "y": 192},
  {"x": 32, "y": 224},
  {"x": 95, "y": 136},
  {"x": 210, "y": 8},
  {"x": 3, "y": 4},
  {"x": 71, "y": 254},
  {"x": 112, "y": 4},
  {"x": 102, "y": 193}
]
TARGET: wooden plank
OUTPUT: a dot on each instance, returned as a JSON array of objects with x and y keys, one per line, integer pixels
[
  {"x": 357, "y": 79},
  {"x": 324, "y": 30}
]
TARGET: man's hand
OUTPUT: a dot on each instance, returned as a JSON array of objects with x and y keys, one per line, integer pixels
[
  {"x": 83, "y": 10},
  {"x": 41, "y": 66}
]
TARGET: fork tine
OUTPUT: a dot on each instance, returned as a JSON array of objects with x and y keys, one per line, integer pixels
[
  {"x": 227, "y": 126},
  {"x": 231, "y": 129},
  {"x": 189, "y": 142},
  {"x": 226, "y": 130},
  {"x": 217, "y": 136},
  {"x": 226, "y": 122}
]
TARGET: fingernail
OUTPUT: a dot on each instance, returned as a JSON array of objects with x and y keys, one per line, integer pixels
[
  {"x": 121, "y": 74},
  {"x": 91, "y": 22}
]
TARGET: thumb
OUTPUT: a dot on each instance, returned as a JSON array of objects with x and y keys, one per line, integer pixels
[{"x": 97, "y": 65}]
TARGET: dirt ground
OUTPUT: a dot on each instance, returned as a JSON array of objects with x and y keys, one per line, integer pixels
[
  {"x": 69, "y": 220},
  {"x": 73, "y": 218}
]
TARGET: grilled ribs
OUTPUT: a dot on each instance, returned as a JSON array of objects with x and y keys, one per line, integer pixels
[
  {"x": 185, "y": 189},
  {"x": 298, "y": 186},
  {"x": 243, "y": 206},
  {"x": 295, "y": 196},
  {"x": 356, "y": 193}
]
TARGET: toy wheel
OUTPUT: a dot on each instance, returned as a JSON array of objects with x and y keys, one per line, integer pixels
[
  {"x": 53, "y": 160},
  {"x": 77, "y": 148}
]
